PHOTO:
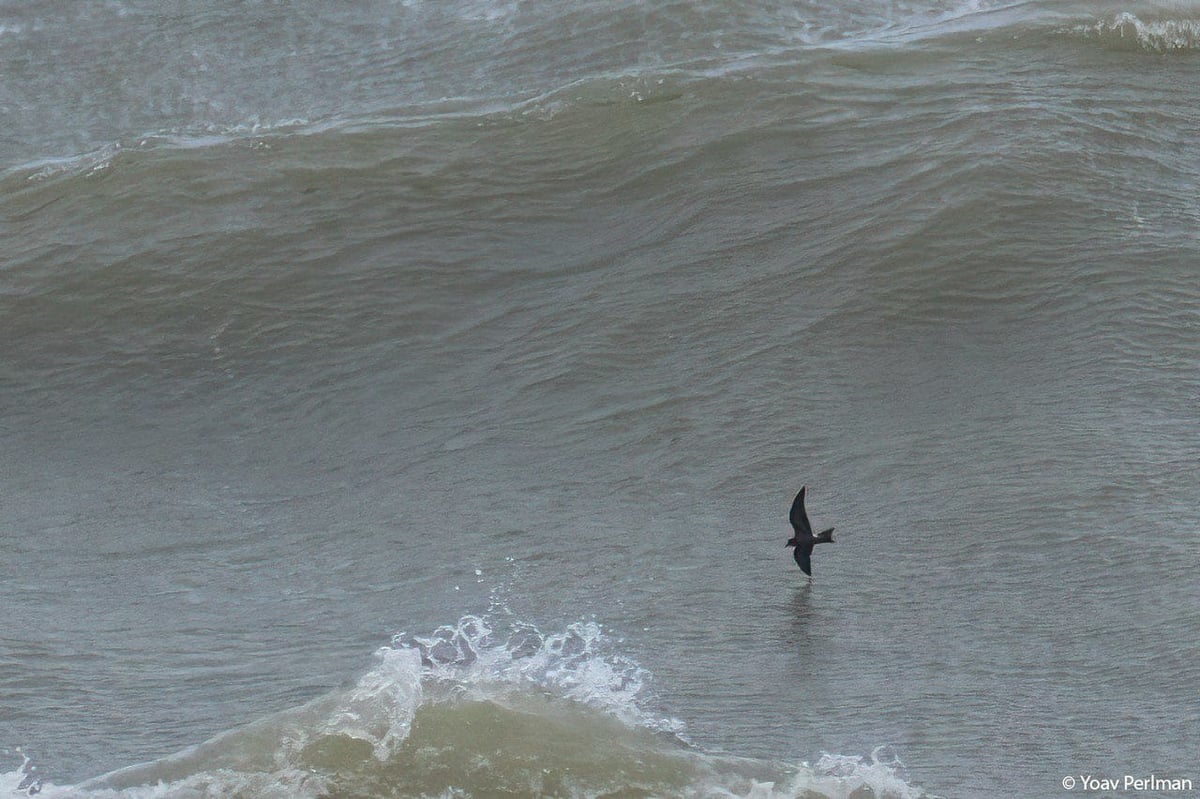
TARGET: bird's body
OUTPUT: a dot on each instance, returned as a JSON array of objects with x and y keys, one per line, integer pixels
[{"x": 804, "y": 540}]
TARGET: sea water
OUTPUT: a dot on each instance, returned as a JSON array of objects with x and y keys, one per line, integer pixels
[{"x": 406, "y": 399}]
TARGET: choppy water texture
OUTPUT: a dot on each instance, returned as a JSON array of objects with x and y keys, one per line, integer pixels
[{"x": 494, "y": 338}]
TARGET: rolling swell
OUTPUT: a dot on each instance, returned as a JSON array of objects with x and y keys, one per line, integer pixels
[{"x": 877, "y": 205}]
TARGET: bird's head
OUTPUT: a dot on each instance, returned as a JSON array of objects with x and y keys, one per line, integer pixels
[{"x": 791, "y": 542}]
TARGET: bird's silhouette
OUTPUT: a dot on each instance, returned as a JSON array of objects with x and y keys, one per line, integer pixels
[{"x": 804, "y": 540}]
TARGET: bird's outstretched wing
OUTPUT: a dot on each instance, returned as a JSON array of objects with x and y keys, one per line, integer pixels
[
  {"x": 799, "y": 518},
  {"x": 804, "y": 557}
]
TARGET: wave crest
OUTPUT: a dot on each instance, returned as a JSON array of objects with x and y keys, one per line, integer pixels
[{"x": 1127, "y": 31}]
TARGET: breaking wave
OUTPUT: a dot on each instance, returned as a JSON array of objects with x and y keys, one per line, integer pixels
[{"x": 483, "y": 707}]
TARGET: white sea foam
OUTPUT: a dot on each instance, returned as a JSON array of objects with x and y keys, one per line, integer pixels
[
  {"x": 1169, "y": 35},
  {"x": 579, "y": 663}
]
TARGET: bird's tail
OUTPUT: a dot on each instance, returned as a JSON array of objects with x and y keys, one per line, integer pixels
[{"x": 824, "y": 537}]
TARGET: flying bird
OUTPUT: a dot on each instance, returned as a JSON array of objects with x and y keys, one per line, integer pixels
[{"x": 804, "y": 540}]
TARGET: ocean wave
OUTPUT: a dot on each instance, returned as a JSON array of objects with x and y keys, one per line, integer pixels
[
  {"x": 602, "y": 91},
  {"x": 487, "y": 706},
  {"x": 1127, "y": 31},
  {"x": 101, "y": 158},
  {"x": 736, "y": 45}
]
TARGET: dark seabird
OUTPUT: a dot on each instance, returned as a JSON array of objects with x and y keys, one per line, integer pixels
[{"x": 804, "y": 540}]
